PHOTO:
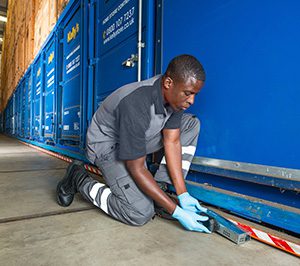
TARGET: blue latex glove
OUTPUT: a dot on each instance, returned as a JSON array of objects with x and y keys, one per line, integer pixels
[
  {"x": 187, "y": 202},
  {"x": 190, "y": 220}
]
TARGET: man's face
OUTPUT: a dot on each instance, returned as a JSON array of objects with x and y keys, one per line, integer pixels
[{"x": 181, "y": 95}]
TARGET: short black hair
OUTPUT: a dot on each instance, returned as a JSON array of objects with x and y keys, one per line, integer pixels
[{"x": 185, "y": 66}]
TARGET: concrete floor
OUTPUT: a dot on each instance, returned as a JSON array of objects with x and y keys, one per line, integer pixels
[{"x": 34, "y": 230}]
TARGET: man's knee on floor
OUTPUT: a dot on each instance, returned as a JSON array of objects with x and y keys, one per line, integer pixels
[{"x": 141, "y": 217}]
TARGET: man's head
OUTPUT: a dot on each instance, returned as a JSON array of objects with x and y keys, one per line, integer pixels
[{"x": 182, "y": 80}]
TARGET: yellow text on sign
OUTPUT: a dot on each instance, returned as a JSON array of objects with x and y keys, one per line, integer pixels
[
  {"x": 73, "y": 33},
  {"x": 50, "y": 58}
]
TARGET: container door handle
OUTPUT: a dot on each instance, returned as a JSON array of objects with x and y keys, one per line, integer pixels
[{"x": 130, "y": 62}]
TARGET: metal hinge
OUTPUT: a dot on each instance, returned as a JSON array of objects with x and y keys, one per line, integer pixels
[{"x": 93, "y": 61}]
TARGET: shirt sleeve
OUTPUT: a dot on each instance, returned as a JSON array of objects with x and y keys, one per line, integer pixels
[
  {"x": 174, "y": 121},
  {"x": 132, "y": 125}
]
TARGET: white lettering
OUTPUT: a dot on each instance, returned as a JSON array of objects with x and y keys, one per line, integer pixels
[
  {"x": 119, "y": 31},
  {"x": 115, "y": 11},
  {"x": 73, "y": 64},
  {"x": 74, "y": 51},
  {"x": 50, "y": 72}
]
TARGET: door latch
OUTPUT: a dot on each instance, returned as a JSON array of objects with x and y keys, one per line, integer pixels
[{"x": 130, "y": 62}]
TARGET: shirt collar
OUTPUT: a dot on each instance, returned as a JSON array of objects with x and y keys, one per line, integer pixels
[{"x": 157, "y": 96}]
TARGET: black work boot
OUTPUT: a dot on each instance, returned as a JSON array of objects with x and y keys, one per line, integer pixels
[{"x": 67, "y": 187}]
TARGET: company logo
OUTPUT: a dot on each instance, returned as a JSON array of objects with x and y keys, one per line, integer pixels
[
  {"x": 50, "y": 58},
  {"x": 73, "y": 33}
]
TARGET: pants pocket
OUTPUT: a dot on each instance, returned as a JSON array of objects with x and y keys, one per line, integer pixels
[{"x": 130, "y": 190}]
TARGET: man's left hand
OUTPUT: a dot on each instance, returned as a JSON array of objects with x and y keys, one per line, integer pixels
[{"x": 187, "y": 202}]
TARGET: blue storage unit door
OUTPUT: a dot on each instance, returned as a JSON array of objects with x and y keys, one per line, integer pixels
[
  {"x": 17, "y": 110},
  {"x": 1, "y": 122},
  {"x": 248, "y": 149},
  {"x": 11, "y": 116},
  {"x": 50, "y": 92},
  {"x": 7, "y": 118},
  {"x": 116, "y": 44},
  {"x": 71, "y": 88},
  {"x": 28, "y": 105},
  {"x": 249, "y": 106},
  {"x": 23, "y": 107},
  {"x": 19, "y": 113},
  {"x": 14, "y": 111},
  {"x": 38, "y": 88}
]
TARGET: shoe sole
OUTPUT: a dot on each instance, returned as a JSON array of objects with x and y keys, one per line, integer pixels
[{"x": 75, "y": 162}]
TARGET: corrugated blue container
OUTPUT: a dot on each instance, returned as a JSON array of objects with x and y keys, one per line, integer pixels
[
  {"x": 49, "y": 96},
  {"x": 14, "y": 114},
  {"x": 116, "y": 39},
  {"x": 28, "y": 104},
  {"x": 17, "y": 107},
  {"x": 23, "y": 97},
  {"x": 249, "y": 141},
  {"x": 70, "y": 77},
  {"x": 38, "y": 90},
  {"x": 248, "y": 107},
  {"x": 1, "y": 121}
]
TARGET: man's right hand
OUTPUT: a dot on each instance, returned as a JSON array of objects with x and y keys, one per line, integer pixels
[{"x": 190, "y": 220}]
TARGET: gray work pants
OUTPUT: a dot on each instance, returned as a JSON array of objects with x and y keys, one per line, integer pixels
[{"x": 120, "y": 197}]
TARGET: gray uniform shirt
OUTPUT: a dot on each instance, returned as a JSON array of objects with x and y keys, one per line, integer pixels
[{"x": 132, "y": 117}]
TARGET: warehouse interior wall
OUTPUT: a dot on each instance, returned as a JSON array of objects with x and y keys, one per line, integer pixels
[{"x": 28, "y": 25}]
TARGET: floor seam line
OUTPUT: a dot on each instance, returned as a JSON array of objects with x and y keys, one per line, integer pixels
[{"x": 42, "y": 215}]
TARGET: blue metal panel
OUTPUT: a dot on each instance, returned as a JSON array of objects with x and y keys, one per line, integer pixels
[
  {"x": 17, "y": 110},
  {"x": 272, "y": 194},
  {"x": 281, "y": 183},
  {"x": 148, "y": 52},
  {"x": 29, "y": 105},
  {"x": 20, "y": 107},
  {"x": 14, "y": 114},
  {"x": 7, "y": 123},
  {"x": 251, "y": 79},
  {"x": 250, "y": 208},
  {"x": 71, "y": 76},
  {"x": 116, "y": 40},
  {"x": 250, "y": 50},
  {"x": 86, "y": 105},
  {"x": 23, "y": 107},
  {"x": 61, "y": 150},
  {"x": 1, "y": 121},
  {"x": 38, "y": 90},
  {"x": 50, "y": 91},
  {"x": 91, "y": 9},
  {"x": 11, "y": 116}
]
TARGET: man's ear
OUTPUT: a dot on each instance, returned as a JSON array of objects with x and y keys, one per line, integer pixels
[{"x": 168, "y": 82}]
